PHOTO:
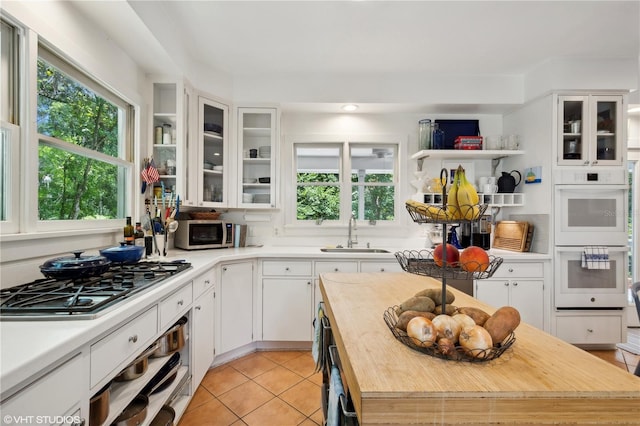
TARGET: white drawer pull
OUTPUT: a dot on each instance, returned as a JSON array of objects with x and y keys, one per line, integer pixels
[
  {"x": 287, "y": 269},
  {"x": 133, "y": 338},
  {"x": 510, "y": 269}
]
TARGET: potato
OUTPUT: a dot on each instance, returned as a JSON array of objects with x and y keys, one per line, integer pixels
[
  {"x": 406, "y": 316},
  {"x": 436, "y": 295},
  {"x": 502, "y": 323},
  {"x": 448, "y": 309},
  {"x": 478, "y": 315},
  {"x": 417, "y": 303}
]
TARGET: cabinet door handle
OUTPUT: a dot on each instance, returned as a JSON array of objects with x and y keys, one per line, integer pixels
[
  {"x": 224, "y": 269},
  {"x": 198, "y": 308},
  {"x": 335, "y": 269},
  {"x": 207, "y": 282},
  {"x": 510, "y": 269},
  {"x": 594, "y": 162},
  {"x": 287, "y": 269},
  {"x": 308, "y": 282},
  {"x": 381, "y": 269},
  {"x": 590, "y": 330},
  {"x": 506, "y": 283},
  {"x": 134, "y": 338},
  {"x": 180, "y": 302},
  {"x": 515, "y": 284}
]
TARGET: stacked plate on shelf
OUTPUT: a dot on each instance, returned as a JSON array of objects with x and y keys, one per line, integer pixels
[{"x": 264, "y": 152}]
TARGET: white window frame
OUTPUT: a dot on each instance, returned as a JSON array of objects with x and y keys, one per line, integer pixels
[
  {"x": 11, "y": 160},
  {"x": 33, "y": 223},
  {"x": 345, "y": 141}
]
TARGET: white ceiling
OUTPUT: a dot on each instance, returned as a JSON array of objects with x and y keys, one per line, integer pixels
[{"x": 240, "y": 38}]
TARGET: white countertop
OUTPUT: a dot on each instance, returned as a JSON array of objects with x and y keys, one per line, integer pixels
[{"x": 28, "y": 348}]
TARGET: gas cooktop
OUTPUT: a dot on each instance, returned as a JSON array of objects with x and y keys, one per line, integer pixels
[{"x": 83, "y": 298}]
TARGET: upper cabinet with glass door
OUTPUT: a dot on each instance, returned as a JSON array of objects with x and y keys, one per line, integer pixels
[
  {"x": 590, "y": 130},
  {"x": 211, "y": 162},
  {"x": 168, "y": 131},
  {"x": 258, "y": 151}
]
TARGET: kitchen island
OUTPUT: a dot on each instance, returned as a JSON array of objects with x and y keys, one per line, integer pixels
[{"x": 539, "y": 380}]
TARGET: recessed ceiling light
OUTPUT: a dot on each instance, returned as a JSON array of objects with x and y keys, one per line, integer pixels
[{"x": 349, "y": 107}]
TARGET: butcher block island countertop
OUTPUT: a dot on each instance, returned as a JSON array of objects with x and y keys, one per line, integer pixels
[{"x": 539, "y": 380}]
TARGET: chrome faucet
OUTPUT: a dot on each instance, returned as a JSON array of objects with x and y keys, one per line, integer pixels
[{"x": 352, "y": 227}]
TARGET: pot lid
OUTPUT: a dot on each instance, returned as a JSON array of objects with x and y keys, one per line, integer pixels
[
  {"x": 75, "y": 262},
  {"x": 124, "y": 247}
]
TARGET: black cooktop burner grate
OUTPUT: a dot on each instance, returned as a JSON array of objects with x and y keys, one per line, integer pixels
[{"x": 49, "y": 298}]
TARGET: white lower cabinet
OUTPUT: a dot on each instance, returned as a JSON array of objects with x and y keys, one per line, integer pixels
[
  {"x": 236, "y": 305},
  {"x": 590, "y": 327},
  {"x": 516, "y": 284},
  {"x": 53, "y": 399},
  {"x": 286, "y": 309},
  {"x": 202, "y": 347},
  {"x": 381, "y": 266}
]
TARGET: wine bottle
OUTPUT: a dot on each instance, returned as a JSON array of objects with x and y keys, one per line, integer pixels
[{"x": 129, "y": 232}]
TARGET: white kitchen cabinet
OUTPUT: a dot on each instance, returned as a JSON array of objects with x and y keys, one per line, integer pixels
[
  {"x": 258, "y": 145},
  {"x": 287, "y": 312},
  {"x": 54, "y": 399},
  {"x": 202, "y": 348},
  {"x": 380, "y": 266},
  {"x": 287, "y": 300},
  {"x": 590, "y": 327},
  {"x": 590, "y": 130},
  {"x": 516, "y": 284},
  {"x": 209, "y": 155},
  {"x": 170, "y": 103},
  {"x": 236, "y": 305}
]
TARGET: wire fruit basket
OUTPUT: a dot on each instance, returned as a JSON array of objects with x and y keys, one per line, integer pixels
[
  {"x": 421, "y": 262},
  {"x": 458, "y": 354}
]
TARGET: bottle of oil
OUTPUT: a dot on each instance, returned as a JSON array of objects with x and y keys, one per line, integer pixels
[
  {"x": 129, "y": 232},
  {"x": 138, "y": 235}
]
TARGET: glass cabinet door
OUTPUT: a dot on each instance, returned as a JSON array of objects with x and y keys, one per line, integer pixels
[
  {"x": 607, "y": 135},
  {"x": 257, "y": 133},
  {"x": 573, "y": 145},
  {"x": 212, "y": 153}
]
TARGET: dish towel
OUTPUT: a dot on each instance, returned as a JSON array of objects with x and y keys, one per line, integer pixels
[
  {"x": 595, "y": 257},
  {"x": 316, "y": 349},
  {"x": 335, "y": 390}
]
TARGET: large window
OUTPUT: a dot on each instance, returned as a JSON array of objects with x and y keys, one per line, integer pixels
[
  {"x": 325, "y": 192},
  {"x": 84, "y": 158}
]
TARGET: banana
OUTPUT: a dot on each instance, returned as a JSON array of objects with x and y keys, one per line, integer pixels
[
  {"x": 453, "y": 210},
  {"x": 467, "y": 197},
  {"x": 429, "y": 211}
]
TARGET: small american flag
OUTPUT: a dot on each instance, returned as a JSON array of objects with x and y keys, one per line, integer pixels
[{"x": 150, "y": 173}]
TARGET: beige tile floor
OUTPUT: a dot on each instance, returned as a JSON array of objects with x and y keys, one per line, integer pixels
[{"x": 280, "y": 388}]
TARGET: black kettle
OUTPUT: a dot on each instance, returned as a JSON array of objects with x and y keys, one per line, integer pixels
[{"x": 507, "y": 182}]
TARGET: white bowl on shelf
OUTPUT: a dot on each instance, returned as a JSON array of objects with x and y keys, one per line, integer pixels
[
  {"x": 247, "y": 197},
  {"x": 249, "y": 180},
  {"x": 262, "y": 198}
]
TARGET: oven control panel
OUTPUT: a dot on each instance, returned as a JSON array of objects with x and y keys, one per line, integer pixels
[{"x": 591, "y": 177}]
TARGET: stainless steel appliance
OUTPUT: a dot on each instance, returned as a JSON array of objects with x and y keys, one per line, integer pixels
[
  {"x": 591, "y": 213},
  {"x": 204, "y": 234},
  {"x": 84, "y": 297}
]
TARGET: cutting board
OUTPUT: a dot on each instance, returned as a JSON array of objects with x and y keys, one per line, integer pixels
[{"x": 513, "y": 235}]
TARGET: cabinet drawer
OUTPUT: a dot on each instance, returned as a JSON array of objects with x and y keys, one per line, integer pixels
[
  {"x": 55, "y": 394},
  {"x": 380, "y": 267},
  {"x": 322, "y": 267},
  {"x": 589, "y": 329},
  {"x": 201, "y": 284},
  {"x": 520, "y": 270},
  {"x": 288, "y": 267},
  {"x": 175, "y": 305},
  {"x": 133, "y": 337}
]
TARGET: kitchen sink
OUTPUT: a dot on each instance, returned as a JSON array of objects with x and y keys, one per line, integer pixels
[{"x": 352, "y": 250}]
